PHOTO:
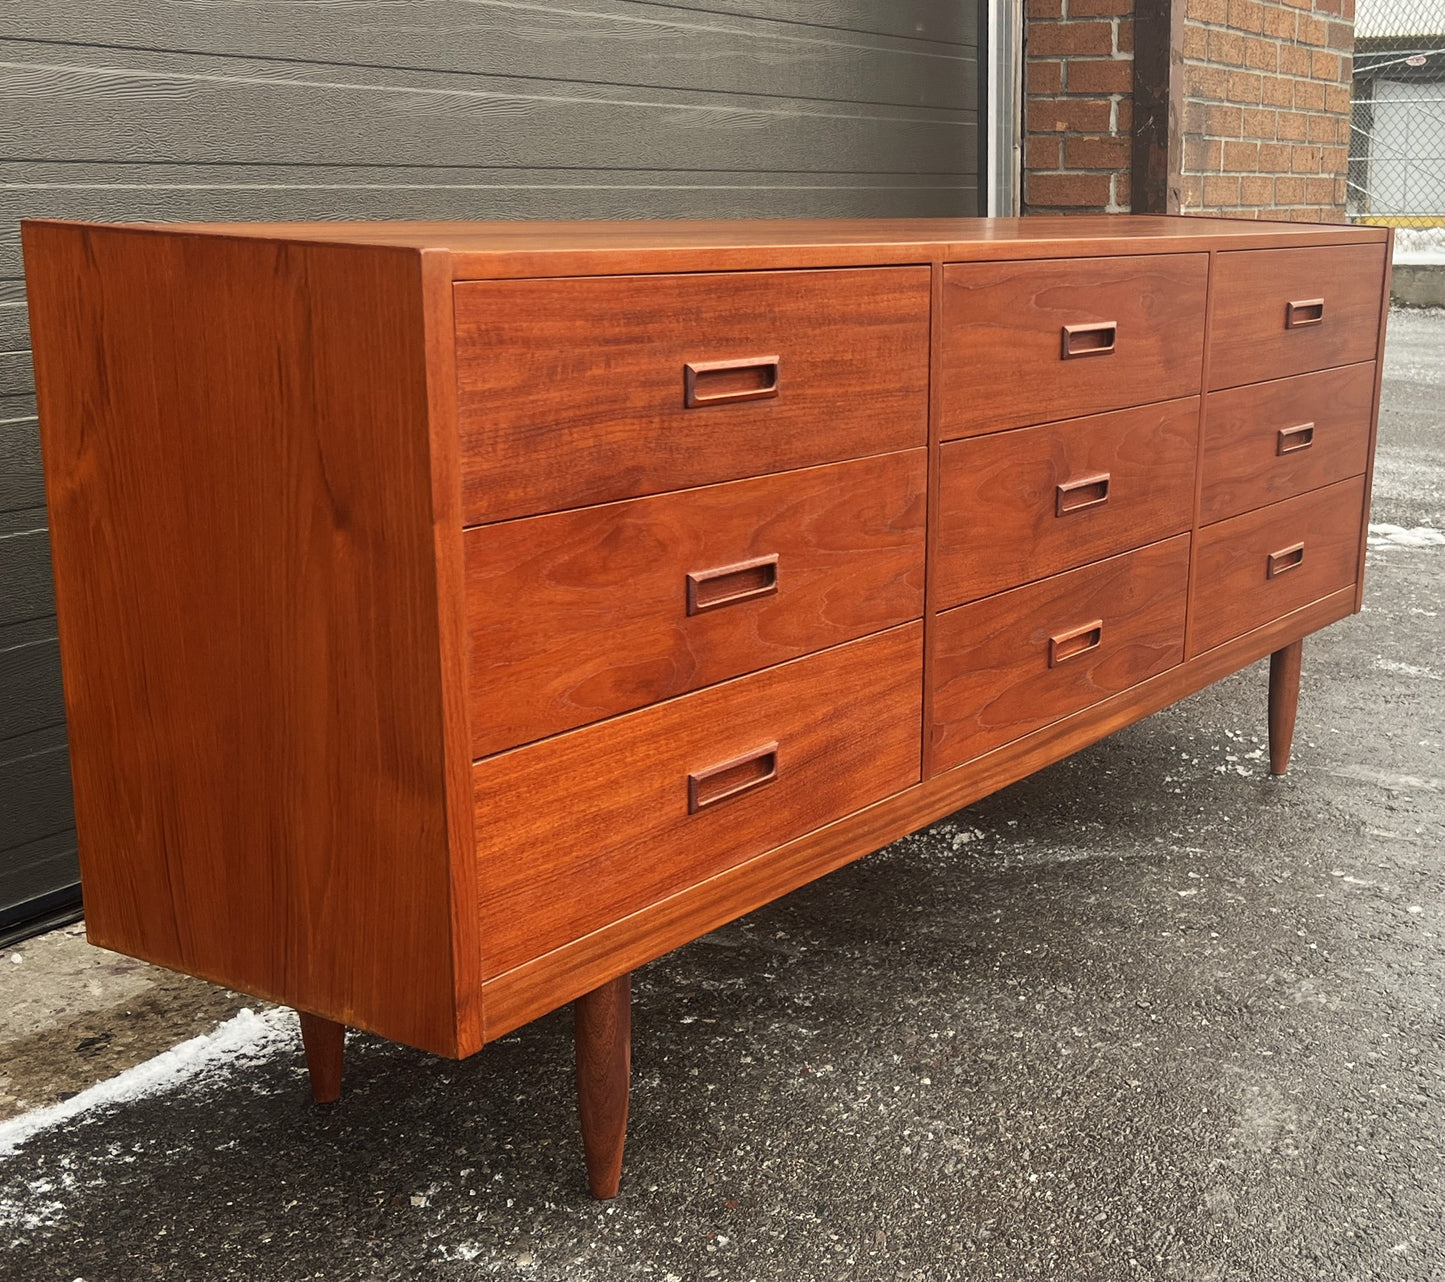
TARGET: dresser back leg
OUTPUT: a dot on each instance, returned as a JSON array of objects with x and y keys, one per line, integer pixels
[
  {"x": 1284, "y": 668},
  {"x": 604, "y": 1065},
  {"x": 324, "y": 1040}
]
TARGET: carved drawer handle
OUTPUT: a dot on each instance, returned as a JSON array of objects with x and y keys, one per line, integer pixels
[
  {"x": 1078, "y": 641},
  {"x": 1303, "y": 312},
  {"x": 1076, "y": 496},
  {"x": 732, "y": 778},
  {"x": 753, "y": 378},
  {"x": 1293, "y": 439},
  {"x": 1285, "y": 559},
  {"x": 1089, "y": 340},
  {"x": 729, "y": 584}
]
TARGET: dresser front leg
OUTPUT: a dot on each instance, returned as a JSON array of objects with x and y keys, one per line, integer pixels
[
  {"x": 1284, "y": 668},
  {"x": 603, "y": 1020},
  {"x": 325, "y": 1041}
]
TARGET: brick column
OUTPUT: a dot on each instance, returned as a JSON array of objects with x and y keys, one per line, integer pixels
[
  {"x": 1078, "y": 106},
  {"x": 1243, "y": 107},
  {"x": 1267, "y": 108}
]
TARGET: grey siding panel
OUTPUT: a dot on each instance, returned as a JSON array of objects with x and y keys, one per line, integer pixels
[
  {"x": 16, "y": 376},
  {"x": 30, "y": 675},
  {"x": 14, "y": 320},
  {"x": 37, "y": 868},
  {"x": 601, "y": 43},
  {"x": 21, "y": 482},
  {"x": 34, "y": 787},
  {"x": 132, "y": 110},
  {"x": 26, "y": 591},
  {"x": 153, "y": 107},
  {"x": 953, "y": 22}
]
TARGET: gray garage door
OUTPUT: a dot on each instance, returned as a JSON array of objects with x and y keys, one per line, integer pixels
[{"x": 172, "y": 109}]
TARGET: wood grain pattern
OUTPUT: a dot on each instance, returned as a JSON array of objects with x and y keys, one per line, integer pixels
[
  {"x": 995, "y": 680},
  {"x": 1284, "y": 672},
  {"x": 1249, "y": 341},
  {"x": 302, "y": 771},
  {"x": 1243, "y": 464},
  {"x": 1386, "y": 266},
  {"x": 538, "y": 986},
  {"x": 1000, "y": 524},
  {"x": 237, "y": 430},
  {"x": 515, "y": 250},
  {"x": 324, "y": 1041},
  {"x": 603, "y": 1024},
  {"x": 444, "y": 449},
  {"x": 1233, "y": 592},
  {"x": 576, "y": 831},
  {"x": 571, "y": 391},
  {"x": 583, "y": 614},
  {"x": 1003, "y": 360}
]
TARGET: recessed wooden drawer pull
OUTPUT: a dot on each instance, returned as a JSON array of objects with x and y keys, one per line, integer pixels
[
  {"x": 1292, "y": 439},
  {"x": 1304, "y": 311},
  {"x": 1089, "y": 340},
  {"x": 721, "y": 382},
  {"x": 1079, "y": 641},
  {"x": 729, "y": 584},
  {"x": 1285, "y": 559},
  {"x": 1087, "y": 492},
  {"x": 732, "y": 778}
]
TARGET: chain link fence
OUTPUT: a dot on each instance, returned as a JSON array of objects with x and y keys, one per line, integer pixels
[{"x": 1397, "y": 133}]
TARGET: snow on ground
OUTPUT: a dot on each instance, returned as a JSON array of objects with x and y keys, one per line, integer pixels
[
  {"x": 239, "y": 1042},
  {"x": 1420, "y": 245},
  {"x": 1397, "y": 536}
]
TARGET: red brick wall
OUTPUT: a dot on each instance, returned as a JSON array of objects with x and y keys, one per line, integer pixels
[
  {"x": 1078, "y": 105},
  {"x": 1265, "y": 97},
  {"x": 1267, "y": 107}
]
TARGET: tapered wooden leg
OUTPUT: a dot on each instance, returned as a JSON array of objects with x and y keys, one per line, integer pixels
[
  {"x": 604, "y": 1066},
  {"x": 1284, "y": 668},
  {"x": 325, "y": 1042}
]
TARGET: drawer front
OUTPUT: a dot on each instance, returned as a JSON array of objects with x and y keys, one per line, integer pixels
[
  {"x": 587, "y": 390},
  {"x": 1022, "y": 659},
  {"x": 1034, "y": 341},
  {"x": 1022, "y": 505},
  {"x": 585, "y": 828},
  {"x": 579, "y": 615},
  {"x": 1256, "y": 567},
  {"x": 1271, "y": 441},
  {"x": 1287, "y": 311}
]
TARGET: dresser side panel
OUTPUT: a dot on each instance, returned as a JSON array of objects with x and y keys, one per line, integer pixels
[{"x": 238, "y": 476}]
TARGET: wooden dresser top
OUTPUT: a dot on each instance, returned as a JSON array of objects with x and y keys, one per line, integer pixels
[{"x": 480, "y": 250}]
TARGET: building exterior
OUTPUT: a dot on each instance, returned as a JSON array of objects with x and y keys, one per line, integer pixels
[
  {"x": 1237, "y": 107},
  {"x": 1397, "y": 143}
]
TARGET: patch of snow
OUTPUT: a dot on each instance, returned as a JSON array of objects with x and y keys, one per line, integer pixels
[
  {"x": 1407, "y": 669},
  {"x": 244, "y": 1039},
  {"x": 1397, "y": 536},
  {"x": 1420, "y": 245},
  {"x": 1388, "y": 780}
]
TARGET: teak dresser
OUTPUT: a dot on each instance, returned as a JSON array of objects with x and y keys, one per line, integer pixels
[{"x": 456, "y": 616}]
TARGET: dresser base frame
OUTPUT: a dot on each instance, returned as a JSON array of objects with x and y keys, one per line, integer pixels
[{"x": 603, "y": 1015}]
